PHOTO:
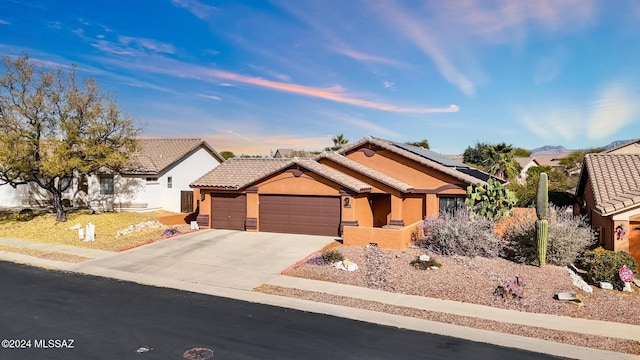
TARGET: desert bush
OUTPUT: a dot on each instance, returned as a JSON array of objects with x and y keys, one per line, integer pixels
[
  {"x": 424, "y": 264},
  {"x": 331, "y": 256},
  {"x": 569, "y": 236},
  {"x": 170, "y": 231},
  {"x": 462, "y": 233},
  {"x": 25, "y": 215},
  {"x": 604, "y": 265}
]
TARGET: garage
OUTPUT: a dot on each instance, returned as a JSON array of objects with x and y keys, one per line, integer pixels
[
  {"x": 312, "y": 215},
  {"x": 229, "y": 211}
]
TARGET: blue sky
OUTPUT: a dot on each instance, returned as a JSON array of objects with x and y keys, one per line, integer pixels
[{"x": 255, "y": 76}]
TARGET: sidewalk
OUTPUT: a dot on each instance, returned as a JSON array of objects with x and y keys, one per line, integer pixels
[{"x": 243, "y": 290}]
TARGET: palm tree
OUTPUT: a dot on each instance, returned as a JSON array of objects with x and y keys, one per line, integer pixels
[
  {"x": 424, "y": 143},
  {"x": 338, "y": 142},
  {"x": 499, "y": 160}
]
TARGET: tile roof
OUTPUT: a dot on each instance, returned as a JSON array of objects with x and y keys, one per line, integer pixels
[
  {"x": 615, "y": 179},
  {"x": 552, "y": 160},
  {"x": 155, "y": 155},
  {"x": 428, "y": 158},
  {"x": 622, "y": 146},
  {"x": 524, "y": 161},
  {"x": 362, "y": 169},
  {"x": 236, "y": 174}
]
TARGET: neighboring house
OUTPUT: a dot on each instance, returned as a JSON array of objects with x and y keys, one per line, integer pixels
[
  {"x": 158, "y": 177},
  {"x": 290, "y": 153},
  {"x": 631, "y": 147},
  {"x": 551, "y": 160},
  {"x": 608, "y": 194},
  {"x": 525, "y": 164},
  {"x": 370, "y": 191}
]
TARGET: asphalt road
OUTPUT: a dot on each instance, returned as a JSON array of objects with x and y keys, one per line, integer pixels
[{"x": 56, "y": 315}]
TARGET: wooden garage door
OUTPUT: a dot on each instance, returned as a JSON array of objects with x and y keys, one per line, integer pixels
[
  {"x": 228, "y": 211},
  {"x": 313, "y": 215}
]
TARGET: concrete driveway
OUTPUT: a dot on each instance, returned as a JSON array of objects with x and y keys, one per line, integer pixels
[{"x": 235, "y": 259}]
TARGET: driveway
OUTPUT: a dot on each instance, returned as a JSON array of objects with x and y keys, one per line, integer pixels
[{"x": 235, "y": 259}]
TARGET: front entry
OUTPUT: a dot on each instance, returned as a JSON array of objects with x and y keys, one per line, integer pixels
[
  {"x": 229, "y": 211},
  {"x": 634, "y": 241},
  {"x": 380, "y": 208}
]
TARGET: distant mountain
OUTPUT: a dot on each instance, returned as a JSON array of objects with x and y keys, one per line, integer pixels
[
  {"x": 617, "y": 143},
  {"x": 549, "y": 149},
  {"x": 559, "y": 149}
]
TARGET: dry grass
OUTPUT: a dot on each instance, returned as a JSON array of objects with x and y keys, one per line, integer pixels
[
  {"x": 43, "y": 228},
  {"x": 44, "y": 254}
]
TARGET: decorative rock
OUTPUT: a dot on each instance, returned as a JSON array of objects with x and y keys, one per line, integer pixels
[
  {"x": 433, "y": 268},
  {"x": 425, "y": 257},
  {"x": 606, "y": 285},
  {"x": 76, "y": 227},
  {"x": 571, "y": 297},
  {"x": 579, "y": 282},
  {"x": 346, "y": 265}
]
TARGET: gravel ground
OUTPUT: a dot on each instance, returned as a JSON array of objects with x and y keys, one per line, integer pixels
[{"x": 474, "y": 280}]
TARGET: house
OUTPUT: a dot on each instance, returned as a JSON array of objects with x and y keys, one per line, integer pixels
[
  {"x": 157, "y": 177},
  {"x": 370, "y": 191},
  {"x": 525, "y": 164},
  {"x": 631, "y": 147},
  {"x": 608, "y": 194},
  {"x": 290, "y": 153}
]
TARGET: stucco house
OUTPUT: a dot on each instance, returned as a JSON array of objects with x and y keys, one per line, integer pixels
[
  {"x": 525, "y": 164},
  {"x": 608, "y": 193},
  {"x": 158, "y": 177},
  {"x": 373, "y": 190}
]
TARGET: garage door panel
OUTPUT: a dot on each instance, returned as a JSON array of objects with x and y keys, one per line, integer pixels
[
  {"x": 228, "y": 211},
  {"x": 315, "y": 215}
]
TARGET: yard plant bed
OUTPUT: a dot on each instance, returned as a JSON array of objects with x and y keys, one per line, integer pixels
[{"x": 474, "y": 280}]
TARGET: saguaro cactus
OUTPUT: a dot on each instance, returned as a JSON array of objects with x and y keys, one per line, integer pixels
[{"x": 542, "y": 211}]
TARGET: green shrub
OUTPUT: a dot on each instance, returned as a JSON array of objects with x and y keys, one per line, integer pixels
[
  {"x": 569, "y": 236},
  {"x": 424, "y": 265},
  {"x": 25, "y": 215},
  {"x": 462, "y": 233},
  {"x": 604, "y": 265},
  {"x": 331, "y": 256}
]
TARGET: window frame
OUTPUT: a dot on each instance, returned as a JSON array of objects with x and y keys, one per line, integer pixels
[
  {"x": 106, "y": 188},
  {"x": 459, "y": 202}
]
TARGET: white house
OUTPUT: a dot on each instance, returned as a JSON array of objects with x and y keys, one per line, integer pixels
[{"x": 157, "y": 178}]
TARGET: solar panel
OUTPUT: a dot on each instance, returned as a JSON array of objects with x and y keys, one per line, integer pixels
[{"x": 433, "y": 156}]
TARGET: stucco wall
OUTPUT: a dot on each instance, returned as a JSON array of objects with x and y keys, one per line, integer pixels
[
  {"x": 306, "y": 184},
  {"x": 386, "y": 238},
  {"x": 407, "y": 171}
]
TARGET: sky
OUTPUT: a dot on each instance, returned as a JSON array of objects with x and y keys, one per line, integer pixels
[{"x": 254, "y": 76}]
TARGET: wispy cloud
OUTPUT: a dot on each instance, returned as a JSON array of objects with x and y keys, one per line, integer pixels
[
  {"x": 414, "y": 30},
  {"x": 359, "y": 123},
  {"x": 4, "y": 22},
  {"x": 357, "y": 55},
  {"x": 611, "y": 111},
  {"x": 211, "y": 97},
  {"x": 197, "y": 8},
  {"x": 260, "y": 144},
  {"x": 146, "y": 44},
  {"x": 615, "y": 108},
  {"x": 334, "y": 93},
  {"x": 546, "y": 71}
]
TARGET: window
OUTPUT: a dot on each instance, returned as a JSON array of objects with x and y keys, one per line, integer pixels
[
  {"x": 106, "y": 185},
  {"x": 451, "y": 203},
  {"x": 152, "y": 179},
  {"x": 169, "y": 182}
]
